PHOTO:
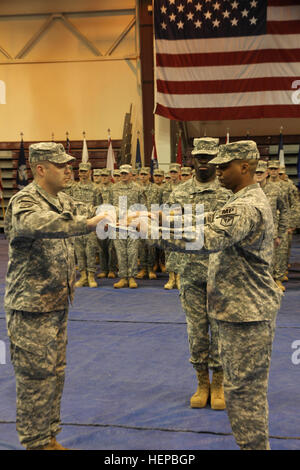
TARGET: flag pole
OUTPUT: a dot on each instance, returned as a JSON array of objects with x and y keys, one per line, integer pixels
[{"x": 2, "y": 198}]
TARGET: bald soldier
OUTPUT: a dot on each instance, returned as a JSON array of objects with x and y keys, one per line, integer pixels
[
  {"x": 40, "y": 222},
  {"x": 242, "y": 295}
]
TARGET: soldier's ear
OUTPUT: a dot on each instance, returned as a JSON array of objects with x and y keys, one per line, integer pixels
[{"x": 244, "y": 168}]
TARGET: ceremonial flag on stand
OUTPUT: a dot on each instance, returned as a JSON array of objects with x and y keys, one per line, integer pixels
[
  {"x": 179, "y": 151},
  {"x": 281, "y": 151},
  {"x": 68, "y": 145},
  {"x": 138, "y": 158},
  {"x": 22, "y": 179},
  {"x": 110, "y": 159},
  {"x": 219, "y": 60},
  {"x": 154, "y": 160},
  {"x": 85, "y": 152}
]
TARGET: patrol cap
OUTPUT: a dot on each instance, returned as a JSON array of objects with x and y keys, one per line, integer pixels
[
  {"x": 205, "y": 146},
  {"x": 241, "y": 150},
  {"x": 174, "y": 167},
  {"x": 145, "y": 170},
  {"x": 125, "y": 169},
  {"x": 97, "y": 172},
  {"x": 49, "y": 151},
  {"x": 282, "y": 170},
  {"x": 105, "y": 172},
  {"x": 273, "y": 164},
  {"x": 262, "y": 166},
  {"x": 85, "y": 166},
  {"x": 186, "y": 170},
  {"x": 158, "y": 172},
  {"x": 135, "y": 171}
]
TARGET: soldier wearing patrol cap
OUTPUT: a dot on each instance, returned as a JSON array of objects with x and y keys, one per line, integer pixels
[
  {"x": 280, "y": 211},
  {"x": 97, "y": 177},
  {"x": 292, "y": 202},
  {"x": 158, "y": 177},
  {"x": 241, "y": 293},
  {"x": 147, "y": 253},
  {"x": 204, "y": 189},
  {"x": 174, "y": 171},
  {"x": 40, "y": 222},
  {"x": 126, "y": 249},
  {"x": 108, "y": 257},
  {"x": 86, "y": 192},
  {"x": 186, "y": 173},
  {"x": 116, "y": 176}
]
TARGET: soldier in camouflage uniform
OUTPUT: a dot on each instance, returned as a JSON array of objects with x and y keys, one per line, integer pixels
[
  {"x": 146, "y": 252},
  {"x": 108, "y": 257},
  {"x": 116, "y": 176},
  {"x": 40, "y": 223},
  {"x": 126, "y": 249},
  {"x": 279, "y": 206},
  {"x": 186, "y": 173},
  {"x": 283, "y": 249},
  {"x": 242, "y": 295},
  {"x": 86, "y": 192},
  {"x": 174, "y": 170},
  {"x": 202, "y": 329}
]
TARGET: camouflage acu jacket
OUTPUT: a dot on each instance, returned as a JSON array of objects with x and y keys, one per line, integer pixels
[
  {"x": 132, "y": 191},
  {"x": 41, "y": 271},
  {"x": 239, "y": 239},
  {"x": 280, "y": 211},
  {"x": 213, "y": 197}
]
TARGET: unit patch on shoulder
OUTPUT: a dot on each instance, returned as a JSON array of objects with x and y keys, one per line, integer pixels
[{"x": 227, "y": 216}]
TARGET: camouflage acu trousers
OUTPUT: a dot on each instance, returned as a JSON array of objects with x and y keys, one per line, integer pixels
[
  {"x": 127, "y": 254},
  {"x": 38, "y": 353},
  {"x": 86, "y": 250},
  {"x": 202, "y": 329},
  {"x": 281, "y": 255},
  {"x": 146, "y": 255},
  {"x": 107, "y": 255},
  {"x": 245, "y": 351}
]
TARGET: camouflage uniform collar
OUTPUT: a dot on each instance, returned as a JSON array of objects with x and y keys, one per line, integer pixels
[
  {"x": 54, "y": 201},
  {"x": 244, "y": 191},
  {"x": 197, "y": 186}
]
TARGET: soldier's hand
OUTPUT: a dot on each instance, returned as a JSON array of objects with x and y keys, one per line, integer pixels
[{"x": 94, "y": 221}]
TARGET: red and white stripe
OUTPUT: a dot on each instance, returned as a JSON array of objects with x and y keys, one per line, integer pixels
[{"x": 232, "y": 78}]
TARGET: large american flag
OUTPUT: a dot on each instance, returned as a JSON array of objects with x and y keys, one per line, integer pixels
[{"x": 219, "y": 59}]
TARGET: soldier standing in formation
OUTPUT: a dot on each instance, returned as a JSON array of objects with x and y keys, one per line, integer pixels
[
  {"x": 174, "y": 171},
  {"x": 40, "y": 222},
  {"x": 290, "y": 196},
  {"x": 86, "y": 246},
  {"x": 107, "y": 254},
  {"x": 126, "y": 249},
  {"x": 146, "y": 252},
  {"x": 280, "y": 211}
]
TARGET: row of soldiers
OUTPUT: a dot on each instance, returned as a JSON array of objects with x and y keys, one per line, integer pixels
[{"x": 135, "y": 259}]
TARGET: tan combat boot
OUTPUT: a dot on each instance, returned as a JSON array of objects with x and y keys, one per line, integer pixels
[
  {"x": 91, "y": 280},
  {"x": 122, "y": 283},
  {"x": 162, "y": 267},
  {"x": 280, "y": 285},
  {"x": 171, "y": 284},
  {"x": 101, "y": 275},
  {"x": 52, "y": 445},
  {"x": 132, "y": 283},
  {"x": 217, "y": 400},
  {"x": 111, "y": 275},
  {"x": 200, "y": 398},
  {"x": 177, "y": 280},
  {"x": 141, "y": 274},
  {"x": 83, "y": 281},
  {"x": 151, "y": 274}
]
